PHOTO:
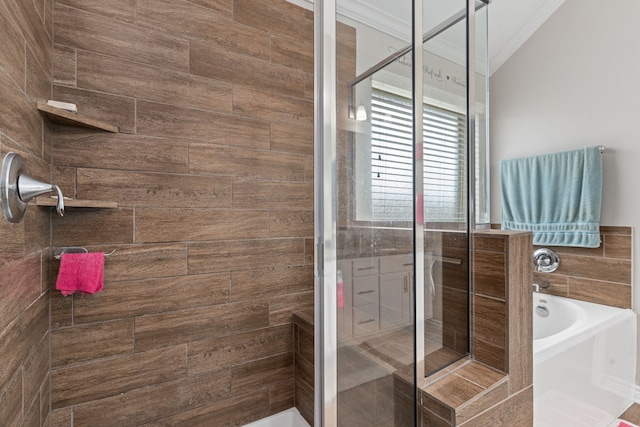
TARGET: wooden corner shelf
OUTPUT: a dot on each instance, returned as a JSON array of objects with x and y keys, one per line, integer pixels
[
  {"x": 76, "y": 203},
  {"x": 67, "y": 118}
]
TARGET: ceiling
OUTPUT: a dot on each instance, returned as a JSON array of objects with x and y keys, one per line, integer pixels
[{"x": 511, "y": 22}]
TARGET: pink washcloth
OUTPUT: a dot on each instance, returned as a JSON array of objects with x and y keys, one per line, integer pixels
[{"x": 81, "y": 273}]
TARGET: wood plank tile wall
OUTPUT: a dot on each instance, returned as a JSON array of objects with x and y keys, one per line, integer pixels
[
  {"x": 25, "y": 76},
  {"x": 214, "y": 228}
]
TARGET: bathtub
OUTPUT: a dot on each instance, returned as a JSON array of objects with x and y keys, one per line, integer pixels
[{"x": 584, "y": 358}]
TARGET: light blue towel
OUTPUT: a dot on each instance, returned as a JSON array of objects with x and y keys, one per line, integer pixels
[{"x": 556, "y": 196}]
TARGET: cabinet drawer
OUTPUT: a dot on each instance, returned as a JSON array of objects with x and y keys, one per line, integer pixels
[
  {"x": 365, "y": 319},
  {"x": 365, "y": 290},
  {"x": 395, "y": 263},
  {"x": 365, "y": 267}
]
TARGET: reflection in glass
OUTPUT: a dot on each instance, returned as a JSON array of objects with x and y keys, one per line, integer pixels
[{"x": 377, "y": 202}]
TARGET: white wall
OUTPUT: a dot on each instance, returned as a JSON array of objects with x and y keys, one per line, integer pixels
[{"x": 576, "y": 83}]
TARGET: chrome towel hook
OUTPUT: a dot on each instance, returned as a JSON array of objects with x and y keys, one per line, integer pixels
[{"x": 17, "y": 188}]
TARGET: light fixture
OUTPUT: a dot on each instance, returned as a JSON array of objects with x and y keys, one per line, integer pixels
[{"x": 361, "y": 113}]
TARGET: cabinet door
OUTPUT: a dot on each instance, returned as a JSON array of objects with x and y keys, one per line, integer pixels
[{"x": 395, "y": 299}]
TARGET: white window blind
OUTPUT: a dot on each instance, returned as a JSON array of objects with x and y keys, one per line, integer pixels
[{"x": 392, "y": 165}]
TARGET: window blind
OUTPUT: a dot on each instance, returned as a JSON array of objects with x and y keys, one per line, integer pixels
[{"x": 392, "y": 166}]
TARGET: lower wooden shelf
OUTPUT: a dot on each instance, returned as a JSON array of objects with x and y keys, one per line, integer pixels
[{"x": 76, "y": 203}]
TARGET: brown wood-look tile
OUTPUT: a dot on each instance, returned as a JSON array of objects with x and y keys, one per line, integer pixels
[
  {"x": 480, "y": 374},
  {"x": 11, "y": 398},
  {"x": 489, "y": 273},
  {"x": 282, "y": 396},
  {"x": 61, "y": 309},
  {"x": 89, "y": 226},
  {"x": 432, "y": 420},
  {"x": 235, "y": 411},
  {"x": 291, "y": 139},
  {"x": 490, "y": 320},
  {"x": 122, "y": 10},
  {"x": 218, "y": 63},
  {"x": 168, "y": 121},
  {"x": 160, "y": 401},
  {"x": 291, "y": 223},
  {"x": 600, "y": 292},
  {"x": 35, "y": 372},
  {"x": 12, "y": 55},
  {"x": 240, "y": 162},
  {"x": 270, "y": 282},
  {"x": 517, "y": 410},
  {"x": 483, "y": 402},
  {"x": 612, "y": 229},
  {"x": 38, "y": 80},
  {"x": 84, "y": 343},
  {"x": 456, "y": 314},
  {"x": 86, "y": 31},
  {"x": 272, "y": 194},
  {"x": 238, "y": 255},
  {"x": 169, "y": 225},
  {"x": 277, "y": 17},
  {"x": 434, "y": 405},
  {"x": 309, "y": 247},
  {"x": 519, "y": 312},
  {"x": 66, "y": 179},
  {"x": 148, "y": 189},
  {"x": 119, "y": 151},
  {"x": 22, "y": 336},
  {"x": 487, "y": 241},
  {"x": 568, "y": 250},
  {"x": 606, "y": 269},
  {"x": 150, "y": 296},
  {"x": 221, "y": 7},
  {"x": 188, "y": 20},
  {"x": 45, "y": 398},
  {"x": 617, "y": 246},
  {"x": 20, "y": 285},
  {"x": 292, "y": 53},
  {"x": 260, "y": 373},
  {"x": 454, "y": 390},
  {"x": 131, "y": 262},
  {"x": 26, "y": 17},
  {"x": 309, "y": 93},
  {"x": 94, "y": 381},
  {"x": 281, "y": 308},
  {"x": 305, "y": 344},
  {"x": 304, "y": 319},
  {"x": 273, "y": 107},
  {"x": 61, "y": 417},
  {"x": 102, "y": 73},
  {"x": 490, "y": 354},
  {"x": 303, "y": 370},
  {"x": 161, "y": 330},
  {"x": 19, "y": 120},
  {"x": 304, "y": 401},
  {"x": 31, "y": 416},
  {"x": 237, "y": 349},
  {"x": 559, "y": 283},
  {"x": 116, "y": 110}
]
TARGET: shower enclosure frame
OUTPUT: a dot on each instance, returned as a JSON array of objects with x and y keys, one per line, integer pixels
[{"x": 325, "y": 199}]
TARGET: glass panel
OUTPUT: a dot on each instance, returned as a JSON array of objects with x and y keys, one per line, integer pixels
[
  {"x": 374, "y": 216},
  {"x": 482, "y": 119},
  {"x": 446, "y": 295}
]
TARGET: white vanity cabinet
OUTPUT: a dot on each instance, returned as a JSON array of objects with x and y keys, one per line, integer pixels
[
  {"x": 396, "y": 283},
  {"x": 376, "y": 294},
  {"x": 366, "y": 316}
]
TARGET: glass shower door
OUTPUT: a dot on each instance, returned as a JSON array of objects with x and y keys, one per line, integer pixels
[{"x": 393, "y": 201}]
